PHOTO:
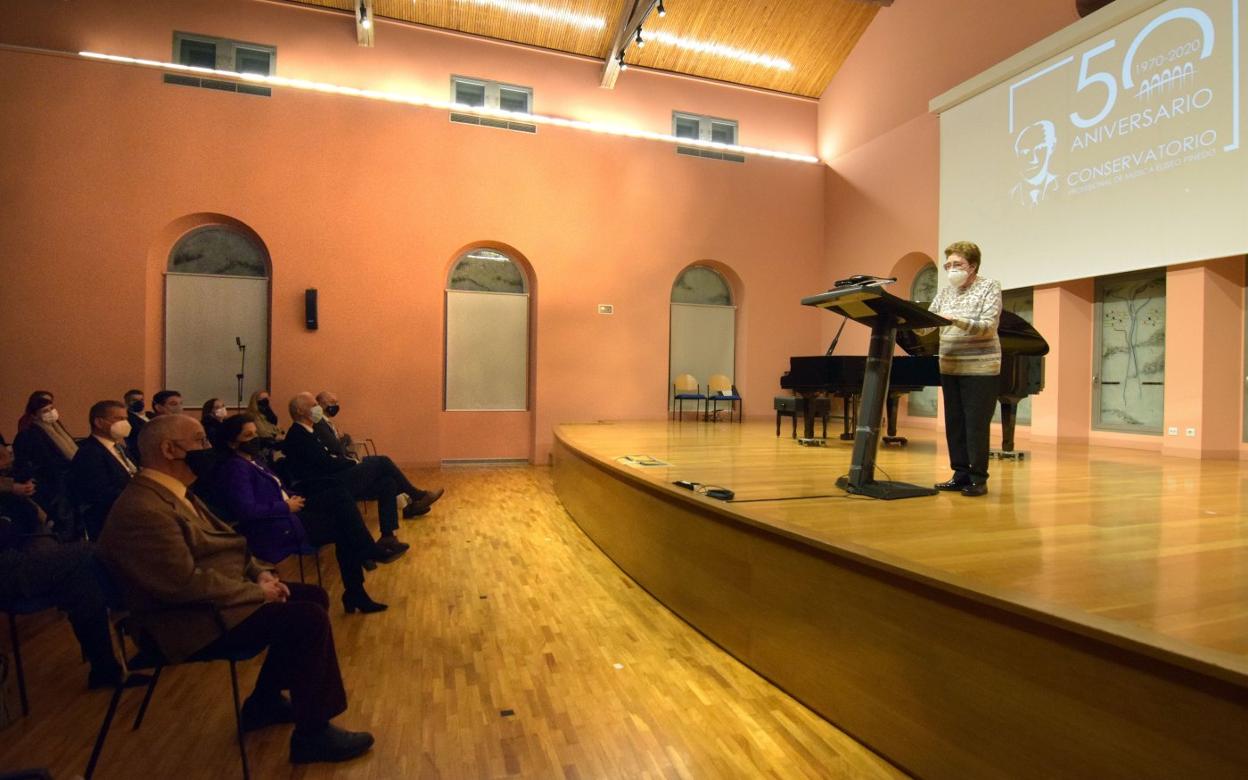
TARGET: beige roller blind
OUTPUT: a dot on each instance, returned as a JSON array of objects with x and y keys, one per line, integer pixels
[
  {"x": 703, "y": 342},
  {"x": 203, "y": 316},
  {"x": 487, "y": 351}
]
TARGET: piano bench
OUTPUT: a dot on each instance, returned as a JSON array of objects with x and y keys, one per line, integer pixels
[{"x": 794, "y": 406}]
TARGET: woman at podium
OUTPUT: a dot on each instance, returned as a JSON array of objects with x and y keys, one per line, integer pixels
[{"x": 970, "y": 361}]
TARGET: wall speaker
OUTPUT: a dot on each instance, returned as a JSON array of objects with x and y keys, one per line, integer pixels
[{"x": 309, "y": 308}]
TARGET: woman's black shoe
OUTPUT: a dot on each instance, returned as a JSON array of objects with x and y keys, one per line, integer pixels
[
  {"x": 328, "y": 744},
  {"x": 358, "y": 599}
]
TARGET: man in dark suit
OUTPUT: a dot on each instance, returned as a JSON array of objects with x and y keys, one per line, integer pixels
[
  {"x": 311, "y": 465},
  {"x": 134, "y": 413},
  {"x": 172, "y": 557},
  {"x": 338, "y": 443},
  {"x": 102, "y": 467}
]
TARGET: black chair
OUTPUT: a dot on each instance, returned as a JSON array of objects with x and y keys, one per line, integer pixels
[
  {"x": 150, "y": 657},
  {"x": 15, "y": 607}
]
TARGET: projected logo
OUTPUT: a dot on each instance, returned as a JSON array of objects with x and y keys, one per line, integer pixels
[{"x": 1169, "y": 98}]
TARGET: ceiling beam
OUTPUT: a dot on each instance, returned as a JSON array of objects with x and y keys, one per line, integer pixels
[
  {"x": 633, "y": 16},
  {"x": 365, "y": 27}
]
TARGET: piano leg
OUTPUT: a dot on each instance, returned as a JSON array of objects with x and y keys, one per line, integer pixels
[
  {"x": 1009, "y": 416},
  {"x": 891, "y": 437},
  {"x": 850, "y": 417},
  {"x": 808, "y": 418}
]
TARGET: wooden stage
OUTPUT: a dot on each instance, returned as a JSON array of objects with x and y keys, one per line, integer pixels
[{"x": 1089, "y": 617}]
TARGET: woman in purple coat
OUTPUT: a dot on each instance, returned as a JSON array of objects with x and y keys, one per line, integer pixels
[{"x": 274, "y": 522}]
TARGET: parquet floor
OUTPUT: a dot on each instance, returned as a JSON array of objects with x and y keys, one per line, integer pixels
[{"x": 502, "y": 606}]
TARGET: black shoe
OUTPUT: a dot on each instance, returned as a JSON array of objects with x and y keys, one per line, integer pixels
[
  {"x": 258, "y": 713},
  {"x": 358, "y": 599},
  {"x": 328, "y": 744},
  {"x": 979, "y": 489},
  {"x": 952, "y": 484},
  {"x": 384, "y": 554},
  {"x": 393, "y": 543},
  {"x": 369, "y": 564},
  {"x": 110, "y": 677},
  {"x": 421, "y": 505}
]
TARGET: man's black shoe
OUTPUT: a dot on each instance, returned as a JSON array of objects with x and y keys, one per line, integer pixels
[
  {"x": 393, "y": 543},
  {"x": 975, "y": 490},
  {"x": 952, "y": 484},
  {"x": 110, "y": 677},
  {"x": 258, "y": 713},
  {"x": 421, "y": 505},
  {"x": 383, "y": 554},
  {"x": 328, "y": 744}
]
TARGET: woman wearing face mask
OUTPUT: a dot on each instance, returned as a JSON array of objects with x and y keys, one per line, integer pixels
[
  {"x": 211, "y": 415},
  {"x": 970, "y": 362},
  {"x": 43, "y": 450},
  {"x": 274, "y": 521}
]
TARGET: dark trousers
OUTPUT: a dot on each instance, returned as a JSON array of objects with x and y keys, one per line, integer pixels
[
  {"x": 969, "y": 403},
  {"x": 301, "y": 657},
  {"x": 376, "y": 478},
  {"x": 66, "y": 574},
  {"x": 331, "y": 516}
]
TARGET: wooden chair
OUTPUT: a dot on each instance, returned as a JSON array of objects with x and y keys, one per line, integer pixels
[
  {"x": 720, "y": 388},
  {"x": 686, "y": 388}
]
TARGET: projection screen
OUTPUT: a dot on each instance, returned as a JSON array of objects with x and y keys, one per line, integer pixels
[{"x": 1120, "y": 151}]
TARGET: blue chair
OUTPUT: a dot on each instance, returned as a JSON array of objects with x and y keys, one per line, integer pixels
[
  {"x": 718, "y": 389},
  {"x": 686, "y": 388},
  {"x": 150, "y": 657},
  {"x": 15, "y": 607}
]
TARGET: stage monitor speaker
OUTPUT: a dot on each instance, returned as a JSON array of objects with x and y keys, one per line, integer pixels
[{"x": 309, "y": 308}]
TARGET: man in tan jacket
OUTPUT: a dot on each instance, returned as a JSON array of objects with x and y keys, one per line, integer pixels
[{"x": 192, "y": 586}]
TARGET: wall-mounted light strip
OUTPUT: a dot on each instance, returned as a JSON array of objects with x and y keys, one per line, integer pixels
[
  {"x": 545, "y": 13},
  {"x": 415, "y": 100},
  {"x": 717, "y": 49}
]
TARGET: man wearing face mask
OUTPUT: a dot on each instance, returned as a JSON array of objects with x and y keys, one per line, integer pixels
[
  {"x": 970, "y": 362},
  {"x": 172, "y": 557},
  {"x": 415, "y": 502},
  {"x": 134, "y": 413},
  {"x": 102, "y": 467},
  {"x": 167, "y": 402}
]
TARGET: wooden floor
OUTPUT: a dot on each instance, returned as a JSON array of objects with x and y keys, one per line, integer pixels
[
  {"x": 1155, "y": 548},
  {"x": 503, "y": 604}
]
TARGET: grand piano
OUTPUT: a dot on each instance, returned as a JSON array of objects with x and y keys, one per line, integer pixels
[{"x": 1022, "y": 374}]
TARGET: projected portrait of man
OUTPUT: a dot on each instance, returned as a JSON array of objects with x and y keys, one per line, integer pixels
[{"x": 1034, "y": 149}]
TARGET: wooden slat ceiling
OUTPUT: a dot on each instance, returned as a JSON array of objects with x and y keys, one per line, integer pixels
[{"x": 814, "y": 35}]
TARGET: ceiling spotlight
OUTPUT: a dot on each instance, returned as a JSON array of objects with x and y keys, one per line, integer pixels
[
  {"x": 623, "y": 64},
  {"x": 640, "y": 43},
  {"x": 662, "y": 10},
  {"x": 365, "y": 22}
]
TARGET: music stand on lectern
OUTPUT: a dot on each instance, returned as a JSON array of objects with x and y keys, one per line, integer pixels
[{"x": 885, "y": 314}]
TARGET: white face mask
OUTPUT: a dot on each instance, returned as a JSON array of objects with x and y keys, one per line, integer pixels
[
  {"x": 219, "y": 412},
  {"x": 317, "y": 413},
  {"x": 119, "y": 430},
  {"x": 957, "y": 276},
  {"x": 49, "y": 415}
]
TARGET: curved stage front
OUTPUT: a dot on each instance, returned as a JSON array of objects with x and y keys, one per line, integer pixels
[{"x": 1052, "y": 629}]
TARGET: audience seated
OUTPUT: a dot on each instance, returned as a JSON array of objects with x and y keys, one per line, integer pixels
[
  {"x": 374, "y": 478},
  {"x": 273, "y": 520},
  {"x": 102, "y": 468},
  {"x": 261, "y": 409},
  {"x": 166, "y": 402},
  {"x": 34, "y": 565},
  {"x": 44, "y": 449},
  {"x": 134, "y": 413},
  {"x": 172, "y": 557},
  {"x": 210, "y": 416}
]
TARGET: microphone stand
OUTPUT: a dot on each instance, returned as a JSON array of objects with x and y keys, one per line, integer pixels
[
  {"x": 836, "y": 338},
  {"x": 242, "y": 368}
]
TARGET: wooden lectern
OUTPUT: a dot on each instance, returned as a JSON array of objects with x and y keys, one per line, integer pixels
[{"x": 885, "y": 314}]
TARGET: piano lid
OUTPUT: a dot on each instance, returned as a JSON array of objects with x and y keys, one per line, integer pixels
[{"x": 1017, "y": 336}]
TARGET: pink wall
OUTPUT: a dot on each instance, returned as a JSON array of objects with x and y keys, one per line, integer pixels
[
  {"x": 880, "y": 143},
  {"x": 369, "y": 202}
]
